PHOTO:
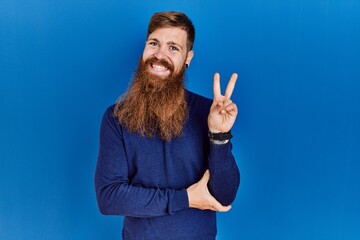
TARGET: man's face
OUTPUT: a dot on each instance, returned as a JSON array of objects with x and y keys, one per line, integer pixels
[{"x": 165, "y": 52}]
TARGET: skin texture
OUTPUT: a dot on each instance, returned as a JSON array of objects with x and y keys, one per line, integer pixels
[
  {"x": 169, "y": 45},
  {"x": 223, "y": 111}
]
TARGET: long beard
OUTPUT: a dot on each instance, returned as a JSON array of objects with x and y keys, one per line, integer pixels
[{"x": 152, "y": 105}]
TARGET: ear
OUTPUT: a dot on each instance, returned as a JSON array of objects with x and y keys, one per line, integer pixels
[{"x": 189, "y": 56}]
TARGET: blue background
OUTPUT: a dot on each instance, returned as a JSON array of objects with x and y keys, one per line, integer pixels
[{"x": 297, "y": 136}]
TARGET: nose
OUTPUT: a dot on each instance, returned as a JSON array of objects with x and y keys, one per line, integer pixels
[{"x": 160, "y": 54}]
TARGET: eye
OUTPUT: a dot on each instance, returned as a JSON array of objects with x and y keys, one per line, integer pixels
[
  {"x": 173, "y": 48},
  {"x": 153, "y": 44}
]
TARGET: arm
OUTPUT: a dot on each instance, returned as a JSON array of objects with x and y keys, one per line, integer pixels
[
  {"x": 218, "y": 187},
  {"x": 225, "y": 176},
  {"x": 224, "y": 173},
  {"x": 219, "y": 190},
  {"x": 114, "y": 192}
]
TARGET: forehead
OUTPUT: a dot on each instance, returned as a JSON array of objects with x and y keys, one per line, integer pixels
[{"x": 169, "y": 34}]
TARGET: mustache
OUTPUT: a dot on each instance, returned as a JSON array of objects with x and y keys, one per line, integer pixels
[{"x": 154, "y": 60}]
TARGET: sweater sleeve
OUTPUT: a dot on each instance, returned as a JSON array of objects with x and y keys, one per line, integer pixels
[
  {"x": 114, "y": 192},
  {"x": 224, "y": 173}
]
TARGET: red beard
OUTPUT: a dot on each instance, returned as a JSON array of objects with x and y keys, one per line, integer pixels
[{"x": 154, "y": 106}]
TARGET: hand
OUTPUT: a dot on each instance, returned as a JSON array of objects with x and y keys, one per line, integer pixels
[
  {"x": 223, "y": 111},
  {"x": 200, "y": 197}
]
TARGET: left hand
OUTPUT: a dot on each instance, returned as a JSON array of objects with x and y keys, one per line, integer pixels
[
  {"x": 223, "y": 111},
  {"x": 200, "y": 197}
]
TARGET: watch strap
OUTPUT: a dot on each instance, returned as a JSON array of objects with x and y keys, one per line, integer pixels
[{"x": 221, "y": 136}]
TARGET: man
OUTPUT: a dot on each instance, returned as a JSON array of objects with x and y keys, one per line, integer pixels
[{"x": 165, "y": 160}]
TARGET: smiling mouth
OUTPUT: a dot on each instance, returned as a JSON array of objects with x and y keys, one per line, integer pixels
[{"x": 158, "y": 68}]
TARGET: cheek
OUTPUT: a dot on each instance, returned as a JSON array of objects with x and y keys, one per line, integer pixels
[
  {"x": 178, "y": 62},
  {"x": 146, "y": 54}
]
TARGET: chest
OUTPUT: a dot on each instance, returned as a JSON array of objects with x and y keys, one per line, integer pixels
[{"x": 178, "y": 163}]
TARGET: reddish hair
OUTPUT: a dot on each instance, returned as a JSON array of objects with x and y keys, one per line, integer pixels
[{"x": 173, "y": 19}]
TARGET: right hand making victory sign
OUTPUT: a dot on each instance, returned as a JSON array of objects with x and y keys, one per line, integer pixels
[
  {"x": 221, "y": 118},
  {"x": 223, "y": 111}
]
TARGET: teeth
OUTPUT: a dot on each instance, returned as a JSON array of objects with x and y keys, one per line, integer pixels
[{"x": 158, "y": 67}]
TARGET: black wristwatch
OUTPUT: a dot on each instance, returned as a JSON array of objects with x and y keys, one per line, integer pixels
[{"x": 221, "y": 136}]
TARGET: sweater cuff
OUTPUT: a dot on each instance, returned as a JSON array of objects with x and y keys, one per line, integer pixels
[{"x": 179, "y": 202}]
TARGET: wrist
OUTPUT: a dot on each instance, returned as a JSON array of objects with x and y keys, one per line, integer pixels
[
  {"x": 219, "y": 137},
  {"x": 218, "y": 142}
]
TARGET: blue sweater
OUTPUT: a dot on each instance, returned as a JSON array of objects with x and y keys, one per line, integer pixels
[{"x": 145, "y": 178}]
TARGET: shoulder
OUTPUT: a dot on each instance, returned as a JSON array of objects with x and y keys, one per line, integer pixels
[
  {"x": 109, "y": 117},
  {"x": 194, "y": 98},
  {"x": 199, "y": 106},
  {"x": 109, "y": 112}
]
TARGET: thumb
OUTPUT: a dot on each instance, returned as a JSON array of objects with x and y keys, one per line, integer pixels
[
  {"x": 205, "y": 178},
  {"x": 223, "y": 208}
]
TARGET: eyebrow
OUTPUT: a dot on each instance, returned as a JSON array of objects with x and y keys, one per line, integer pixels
[
  {"x": 176, "y": 44},
  {"x": 168, "y": 43}
]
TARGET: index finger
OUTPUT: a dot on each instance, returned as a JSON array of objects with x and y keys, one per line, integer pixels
[
  {"x": 231, "y": 85},
  {"x": 216, "y": 87}
]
